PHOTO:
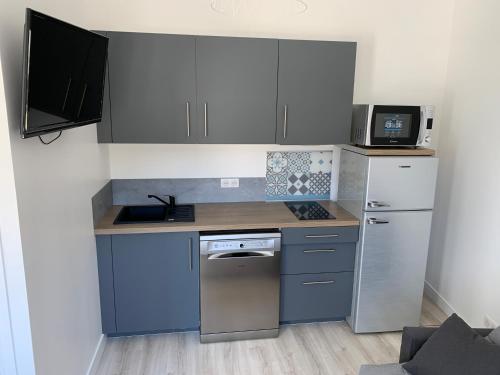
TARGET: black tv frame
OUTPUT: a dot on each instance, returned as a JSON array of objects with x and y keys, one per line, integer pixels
[{"x": 25, "y": 133}]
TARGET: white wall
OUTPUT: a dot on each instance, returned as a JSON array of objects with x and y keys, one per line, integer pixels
[
  {"x": 54, "y": 185},
  {"x": 16, "y": 352},
  {"x": 464, "y": 256},
  {"x": 193, "y": 161},
  {"x": 402, "y": 55}
]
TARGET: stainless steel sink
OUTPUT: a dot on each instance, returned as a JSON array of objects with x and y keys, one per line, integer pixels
[{"x": 155, "y": 214}]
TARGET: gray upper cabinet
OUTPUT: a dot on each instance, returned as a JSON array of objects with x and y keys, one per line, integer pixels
[
  {"x": 315, "y": 89},
  {"x": 236, "y": 82},
  {"x": 104, "y": 133},
  {"x": 164, "y": 88},
  {"x": 152, "y": 87}
]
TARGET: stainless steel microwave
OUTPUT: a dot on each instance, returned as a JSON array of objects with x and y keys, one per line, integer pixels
[{"x": 392, "y": 125}]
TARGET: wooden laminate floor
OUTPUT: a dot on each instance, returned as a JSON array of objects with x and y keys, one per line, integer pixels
[{"x": 315, "y": 348}]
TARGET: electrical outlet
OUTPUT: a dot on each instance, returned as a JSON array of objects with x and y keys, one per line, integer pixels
[
  {"x": 490, "y": 323},
  {"x": 229, "y": 183}
]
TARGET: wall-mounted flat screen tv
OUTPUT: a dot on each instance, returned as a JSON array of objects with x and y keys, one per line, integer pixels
[{"x": 63, "y": 75}]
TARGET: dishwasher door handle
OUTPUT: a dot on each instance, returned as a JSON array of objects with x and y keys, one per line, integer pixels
[{"x": 241, "y": 255}]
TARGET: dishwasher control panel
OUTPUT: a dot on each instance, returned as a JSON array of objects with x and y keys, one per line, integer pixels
[
  {"x": 237, "y": 242},
  {"x": 240, "y": 245}
]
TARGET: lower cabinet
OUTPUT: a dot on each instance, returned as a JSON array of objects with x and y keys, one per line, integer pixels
[
  {"x": 317, "y": 272},
  {"x": 149, "y": 282}
]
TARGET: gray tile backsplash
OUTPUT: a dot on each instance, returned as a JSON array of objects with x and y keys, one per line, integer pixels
[
  {"x": 187, "y": 190},
  {"x": 102, "y": 201},
  {"x": 289, "y": 176}
]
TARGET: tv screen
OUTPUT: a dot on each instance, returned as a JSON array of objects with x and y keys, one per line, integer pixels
[{"x": 64, "y": 71}]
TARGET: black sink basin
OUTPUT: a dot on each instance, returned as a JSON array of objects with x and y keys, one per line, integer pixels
[{"x": 155, "y": 214}]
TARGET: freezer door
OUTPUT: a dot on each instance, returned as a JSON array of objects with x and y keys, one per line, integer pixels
[
  {"x": 390, "y": 270},
  {"x": 401, "y": 183}
]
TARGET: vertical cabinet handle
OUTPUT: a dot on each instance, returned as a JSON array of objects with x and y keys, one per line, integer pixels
[
  {"x": 190, "y": 253},
  {"x": 285, "y": 122},
  {"x": 206, "y": 119},
  {"x": 188, "y": 119}
]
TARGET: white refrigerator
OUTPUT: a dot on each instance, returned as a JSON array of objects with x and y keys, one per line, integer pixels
[{"x": 393, "y": 198}]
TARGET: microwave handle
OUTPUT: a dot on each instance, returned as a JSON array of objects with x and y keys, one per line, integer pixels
[{"x": 423, "y": 126}]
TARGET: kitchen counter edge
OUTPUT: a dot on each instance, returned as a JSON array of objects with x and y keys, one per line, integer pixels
[{"x": 229, "y": 216}]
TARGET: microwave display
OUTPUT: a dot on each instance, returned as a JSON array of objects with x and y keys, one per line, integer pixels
[{"x": 392, "y": 125}]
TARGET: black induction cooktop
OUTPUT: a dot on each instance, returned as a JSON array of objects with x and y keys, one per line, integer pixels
[{"x": 309, "y": 211}]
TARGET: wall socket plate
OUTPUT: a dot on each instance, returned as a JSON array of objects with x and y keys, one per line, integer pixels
[
  {"x": 229, "y": 183},
  {"x": 489, "y": 323}
]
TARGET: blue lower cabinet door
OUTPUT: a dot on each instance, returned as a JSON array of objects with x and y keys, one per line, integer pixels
[
  {"x": 316, "y": 297},
  {"x": 156, "y": 279}
]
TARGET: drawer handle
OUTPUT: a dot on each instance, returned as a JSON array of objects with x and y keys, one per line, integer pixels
[
  {"x": 318, "y": 282},
  {"x": 322, "y": 235},
  {"x": 320, "y": 251}
]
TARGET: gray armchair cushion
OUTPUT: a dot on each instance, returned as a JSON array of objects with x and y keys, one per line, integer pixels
[
  {"x": 415, "y": 337},
  {"x": 494, "y": 336},
  {"x": 455, "y": 349},
  {"x": 391, "y": 369}
]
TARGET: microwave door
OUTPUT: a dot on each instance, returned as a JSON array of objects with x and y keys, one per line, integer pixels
[
  {"x": 400, "y": 183},
  {"x": 394, "y": 125}
]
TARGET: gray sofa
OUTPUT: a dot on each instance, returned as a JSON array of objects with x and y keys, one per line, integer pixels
[{"x": 411, "y": 342}]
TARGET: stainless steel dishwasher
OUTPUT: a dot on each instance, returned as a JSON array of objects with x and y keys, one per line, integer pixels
[{"x": 239, "y": 284}]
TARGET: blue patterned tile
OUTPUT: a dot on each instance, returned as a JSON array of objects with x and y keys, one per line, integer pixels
[
  {"x": 298, "y": 184},
  {"x": 321, "y": 161},
  {"x": 299, "y": 162},
  {"x": 276, "y": 184},
  {"x": 277, "y": 162},
  {"x": 320, "y": 183}
]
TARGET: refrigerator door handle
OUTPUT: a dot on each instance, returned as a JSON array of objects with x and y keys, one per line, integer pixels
[
  {"x": 376, "y": 204},
  {"x": 372, "y": 220}
]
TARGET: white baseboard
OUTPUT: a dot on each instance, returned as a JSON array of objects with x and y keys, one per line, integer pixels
[
  {"x": 96, "y": 358},
  {"x": 438, "y": 299}
]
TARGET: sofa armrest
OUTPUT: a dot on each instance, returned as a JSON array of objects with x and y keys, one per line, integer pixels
[{"x": 414, "y": 337}]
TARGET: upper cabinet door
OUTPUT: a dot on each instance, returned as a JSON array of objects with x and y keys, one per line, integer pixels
[
  {"x": 152, "y": 87},
  {"x": 236, "y": 81},
  {"x": 315, "y": 88}
]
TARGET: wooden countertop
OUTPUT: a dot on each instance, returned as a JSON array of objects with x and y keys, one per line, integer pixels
[
  {"x": 229, "y": 216},
  {"x": 390, "y": 151}
]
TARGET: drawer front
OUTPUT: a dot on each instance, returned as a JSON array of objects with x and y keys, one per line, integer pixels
[
  {"x": 316, "y": 258},
  {"x": 310, "y": 297},
  {"x": 291, "y": 236}
]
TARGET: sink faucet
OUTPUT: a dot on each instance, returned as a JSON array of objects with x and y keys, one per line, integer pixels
[{"x": 170, "y": 203}]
